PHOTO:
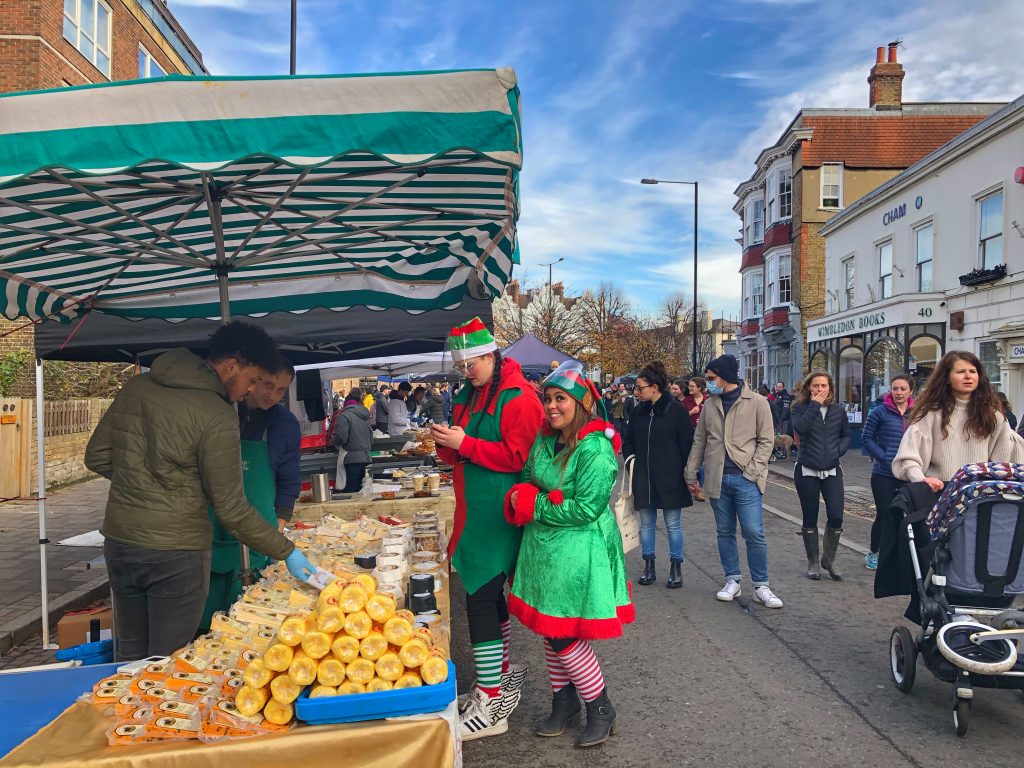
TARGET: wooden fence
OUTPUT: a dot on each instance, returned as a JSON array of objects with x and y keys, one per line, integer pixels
[{"x": 67, "y": 417}]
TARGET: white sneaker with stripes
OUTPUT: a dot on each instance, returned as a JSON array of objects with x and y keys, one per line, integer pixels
[
  {"x": 484, "y": 716},
  {"x": 510, "y": 681}
]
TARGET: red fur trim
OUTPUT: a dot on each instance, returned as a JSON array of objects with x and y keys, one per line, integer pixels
[
  {"x": 556, "y": 497},
  {"x": 526, "y": 501},
  {"x": 597, "y": 425},
  {"x": 509, "y": 512},
  {"x": 559, "y": 626}
]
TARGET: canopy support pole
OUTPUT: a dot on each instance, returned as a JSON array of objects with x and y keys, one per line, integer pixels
[
  {"x": 41, "y": 494},
  {"x": 221, "y": 269}
]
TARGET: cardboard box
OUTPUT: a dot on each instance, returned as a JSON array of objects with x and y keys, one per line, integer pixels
[{"x": 85, "y": 627}]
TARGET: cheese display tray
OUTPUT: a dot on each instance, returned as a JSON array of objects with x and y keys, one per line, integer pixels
[{"x": 375, "y": 706}]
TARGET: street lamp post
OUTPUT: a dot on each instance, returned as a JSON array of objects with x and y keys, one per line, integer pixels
[
  {"x": 549, "y": 266},
  {"x": 695, "y": 186},
  {"x": 551, "y": 301},
  {"x": 295, "y": 20}
]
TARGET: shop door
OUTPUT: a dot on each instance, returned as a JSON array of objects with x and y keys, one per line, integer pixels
[{"x": 14, "y": 447}]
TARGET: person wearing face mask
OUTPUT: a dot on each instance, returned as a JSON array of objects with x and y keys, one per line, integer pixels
[
  {"x": 733, "y": 441},
  {"x": 694, "y": 404},
  {"x": 824, "y": 431},
  {"x": 175, "y": 428},
  {"x": 495, "y": 420},
  {"x": 881, "y": 438},
  {"x": 659, "y": 436},
  {"x": 958, "y": 420},
  {"x": 571, "y": 586}
]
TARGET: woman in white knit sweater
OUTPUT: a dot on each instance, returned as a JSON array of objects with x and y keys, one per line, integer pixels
[{"x": 957, "y": 421}]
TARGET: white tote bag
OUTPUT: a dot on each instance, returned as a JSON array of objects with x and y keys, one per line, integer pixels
[{"x": 625, "y": 514}]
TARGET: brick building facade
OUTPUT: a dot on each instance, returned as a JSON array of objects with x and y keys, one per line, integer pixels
[
  {"x": 824, "y": 161},
  {"x": 53, "y": 44}
]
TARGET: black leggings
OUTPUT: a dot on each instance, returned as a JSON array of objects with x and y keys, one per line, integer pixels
[
  {"x": 884, "y": 488},
  {"x": 810, "y": 488},
  {"x": 487, "y": 610},
  {"x": 559, "y": 644}
]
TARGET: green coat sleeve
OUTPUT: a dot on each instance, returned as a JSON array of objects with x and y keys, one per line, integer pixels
[
  {"x": 100, "y": 450},
  {"x": 220, "y": 468},
  {"x": 594, "y": 470}
]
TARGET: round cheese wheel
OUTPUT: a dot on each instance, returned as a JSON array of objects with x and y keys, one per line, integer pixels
[
  {"x": 316, "y": 644},
  {"x": 409, "y": 680},
  {"x": 358, "y": 625},
  {"x": 330, "y": 619},
  {"x": 279, "y": 712},
  {"x": 367, "y": 582},
  {"x": 278, "y": 657},
  {"x": 352, "y": 599},
  {"x": 347, "y": 688},
  {"x": 398, "y": 630},
  {"x": 389, "y": 667},
  {"x": 330, "y": 672},
  {"x": 257, "y": 675},
  {"x": 434, "y": 670},
  {"x": 345, "y": 648},
  {"x": 373, "y": 646},
  {"x": 360, "y": 671},
  {"x": 250, "y": 701},
  {"x": 379, "y": 685},
  {"x": 414, "y": 652},
  {"x": 292, "y": 630},
  {"x": 284, "y": 689},
  {"x": 302, "y": 670},
  {"x": 323, "y": 690}
]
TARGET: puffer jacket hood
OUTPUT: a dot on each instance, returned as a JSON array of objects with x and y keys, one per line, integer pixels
[
  {"x": 358, "y": 410},
  {"x": 180, "y": 369}
]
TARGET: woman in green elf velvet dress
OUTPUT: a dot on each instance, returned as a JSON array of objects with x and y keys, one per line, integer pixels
[{"x": 570, "y": 582}]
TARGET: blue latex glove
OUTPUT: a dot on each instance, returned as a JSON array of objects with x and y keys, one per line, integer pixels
[{"x": 299, "y": 566}]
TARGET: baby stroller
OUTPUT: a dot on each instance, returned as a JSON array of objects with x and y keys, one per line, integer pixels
[{"x": 968, "y": 626}]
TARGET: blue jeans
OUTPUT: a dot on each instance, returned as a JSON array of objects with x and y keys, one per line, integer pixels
[
  {"x": 740, "y": 498},
  {"x": 674, "y": 526}
]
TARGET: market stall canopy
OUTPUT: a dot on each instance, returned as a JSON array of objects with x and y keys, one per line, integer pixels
[
  {"x": 165, "y": 198},
  {"x": 395, "y": 365},
  {"x": 533, "y": 354},
  {"x": 317, "y": 336}
]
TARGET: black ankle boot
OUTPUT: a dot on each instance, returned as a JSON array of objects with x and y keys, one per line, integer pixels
[
  {"x": 675, "y": 575},
  {"x": 600, "y": 722},
  {"x": 565, "y": 706},
  {"x": 649, "y": 574}
]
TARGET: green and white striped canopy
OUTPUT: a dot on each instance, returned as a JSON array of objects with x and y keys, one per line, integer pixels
[{"x": 155, "y": 198}]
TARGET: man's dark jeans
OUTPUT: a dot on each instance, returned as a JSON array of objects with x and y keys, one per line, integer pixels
[{"x": 159, "y": 596}]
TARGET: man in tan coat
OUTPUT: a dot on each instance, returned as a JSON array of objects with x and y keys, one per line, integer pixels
[{"x": 733, "y": 441}]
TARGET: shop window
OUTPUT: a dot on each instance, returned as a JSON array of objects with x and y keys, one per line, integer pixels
[
  {"x": 849, "y": 289},
  {"x": 831, "y": 185},
  {"x": 851, "y": 363},
  {"x": 785, "y": 279},
  {"x": 885, "y": 270},
  {"x": 988, "y": 352},
  {"x": 923, "y": 245},
  {"x": 883, "y": 361},
  {"x": 87, "y": 27},
  {"x": 785, "y": 193},
  {"x": 148, "y": 66},
  {"x": 924, "y": 356},
  {"x": 755, "y": 369},
  {"x": 779, "y": 369},
  {"x": 823, "y": 360},
  {"x": 990, "y": 231}
]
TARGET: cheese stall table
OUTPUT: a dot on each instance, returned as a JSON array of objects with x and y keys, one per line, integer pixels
[{"x": 77, "y": 735}]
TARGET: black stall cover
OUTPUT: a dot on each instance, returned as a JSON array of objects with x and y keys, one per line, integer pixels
[{"x": 316, "y": 336}]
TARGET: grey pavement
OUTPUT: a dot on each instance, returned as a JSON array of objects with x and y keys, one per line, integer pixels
[{"x": 73, "y": 581}]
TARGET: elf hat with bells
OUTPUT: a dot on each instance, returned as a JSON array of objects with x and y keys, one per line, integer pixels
[
  {"x": 471, "y": 339},
  {"x": 569, "y": 378}
]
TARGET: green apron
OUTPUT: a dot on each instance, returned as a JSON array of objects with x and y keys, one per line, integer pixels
[{"x": 226, "y": 560}]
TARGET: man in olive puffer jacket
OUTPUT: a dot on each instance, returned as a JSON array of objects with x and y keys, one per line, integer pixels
[{"x": 169, "y": 444}]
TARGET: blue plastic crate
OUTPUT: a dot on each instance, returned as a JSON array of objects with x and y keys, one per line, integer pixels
[
  {"x": 375, "y": 706},
  {"x": 97, "y": 652}
]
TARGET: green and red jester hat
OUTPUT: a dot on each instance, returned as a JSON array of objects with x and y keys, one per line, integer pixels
[
  {"x": 569, "y": 378},
  {"x": 471, "y": 339}
]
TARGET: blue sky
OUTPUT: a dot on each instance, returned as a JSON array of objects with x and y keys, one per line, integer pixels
[{"x": 616, "y": 91}]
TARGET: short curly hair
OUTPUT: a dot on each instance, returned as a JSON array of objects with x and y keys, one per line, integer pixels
[{"x": 246, "y": 343}]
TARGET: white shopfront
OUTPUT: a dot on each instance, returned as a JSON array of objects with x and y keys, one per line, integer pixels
[{"x": 931, "y": 261}]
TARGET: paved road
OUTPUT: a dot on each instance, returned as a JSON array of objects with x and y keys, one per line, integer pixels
[{"x": 698, "y": 682}]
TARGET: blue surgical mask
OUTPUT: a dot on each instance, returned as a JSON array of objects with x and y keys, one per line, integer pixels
[{"x": 715, "y": 388}]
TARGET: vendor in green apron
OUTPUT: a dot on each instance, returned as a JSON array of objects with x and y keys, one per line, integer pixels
[{"x": 270, "y": 476}]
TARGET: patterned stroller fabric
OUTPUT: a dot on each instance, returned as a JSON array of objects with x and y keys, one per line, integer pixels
[{"x": 969, "y": 483}]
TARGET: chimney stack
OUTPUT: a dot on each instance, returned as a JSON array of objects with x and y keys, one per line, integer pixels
[{"x": 885, "y": 83}]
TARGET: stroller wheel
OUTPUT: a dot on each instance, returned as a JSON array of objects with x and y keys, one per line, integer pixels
[
  {"x": 902, "y": 658},
  {"x": 989, "y": 657},
  {"x": 962, "y": 716}
]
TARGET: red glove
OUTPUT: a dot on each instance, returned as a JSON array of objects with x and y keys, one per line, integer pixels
[{"x": 522, "y": 511}]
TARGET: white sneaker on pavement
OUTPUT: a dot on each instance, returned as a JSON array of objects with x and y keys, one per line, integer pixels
[
  {"x": 766, "y": 597},
  {"x": 729, "y": 591},
  {"x": 484, "y": 716}
]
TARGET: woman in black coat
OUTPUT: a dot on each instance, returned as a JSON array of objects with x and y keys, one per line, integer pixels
[
  {"x": 659, "y": 435},
  {"x": 824, "y": 432}
]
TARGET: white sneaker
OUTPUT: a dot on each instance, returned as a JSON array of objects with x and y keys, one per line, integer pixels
[
  {"x": 730, "y": 591},
  {"x": 766, "y": 597},
  {"x": 510, "y": 681},
  {"x": 485, "y": 716}
]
